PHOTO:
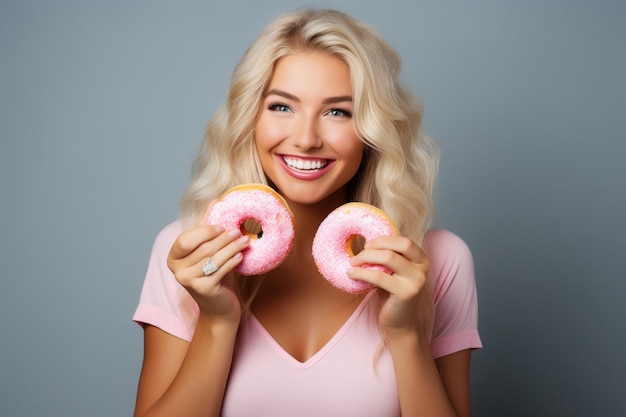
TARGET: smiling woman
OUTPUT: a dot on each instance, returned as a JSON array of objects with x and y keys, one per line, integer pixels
[
  {"x": 316, "y": 112},
  {"x": 305, "y": 129}
]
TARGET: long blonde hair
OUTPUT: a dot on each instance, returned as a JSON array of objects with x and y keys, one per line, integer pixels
[{"x": 400, "y": 163}]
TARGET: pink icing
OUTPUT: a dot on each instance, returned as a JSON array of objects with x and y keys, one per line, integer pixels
[
  {"x": 329, "y": 244},
  {"x": 268, "y": 251}
]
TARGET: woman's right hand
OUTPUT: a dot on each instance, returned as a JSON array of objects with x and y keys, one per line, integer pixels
[{"x": 215, "y": 297}]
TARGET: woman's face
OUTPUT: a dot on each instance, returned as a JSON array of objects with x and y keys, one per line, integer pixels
[{"x": 305, "y": 134}]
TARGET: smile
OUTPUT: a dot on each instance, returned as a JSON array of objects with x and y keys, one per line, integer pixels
[{"x": 305, "y": 164}]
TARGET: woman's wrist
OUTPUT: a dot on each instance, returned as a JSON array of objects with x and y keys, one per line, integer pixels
[
  {"x": 411, "y": 339},
  {"x": 219, "y": 327}
]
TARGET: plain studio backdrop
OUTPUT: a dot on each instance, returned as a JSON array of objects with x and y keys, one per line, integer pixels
[{"x": 103, "y": 106}]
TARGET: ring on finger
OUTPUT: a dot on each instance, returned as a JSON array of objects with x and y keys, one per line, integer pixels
[{"x": 209, "y": 267}]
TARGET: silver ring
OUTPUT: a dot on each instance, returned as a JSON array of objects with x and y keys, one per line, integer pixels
[{"x": 209, "y": 267}]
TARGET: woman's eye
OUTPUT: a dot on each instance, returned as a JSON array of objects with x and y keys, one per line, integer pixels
[
  {"x": 278, "y": 107},
  {"x": 339, "y": 113}
]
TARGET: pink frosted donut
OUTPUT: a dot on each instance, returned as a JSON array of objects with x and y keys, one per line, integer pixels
[
  {"x": 264, "y": 205},
  {"x": 332, "y": 245}
]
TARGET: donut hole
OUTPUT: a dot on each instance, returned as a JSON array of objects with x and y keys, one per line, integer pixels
[
  {"x": 252, "y": 228},
  {"x": 355, "y": 244}
]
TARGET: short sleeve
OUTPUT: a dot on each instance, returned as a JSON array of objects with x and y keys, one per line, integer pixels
[
  {"x": 163, "y": 302},
  {"x": 455, "y": 298}
]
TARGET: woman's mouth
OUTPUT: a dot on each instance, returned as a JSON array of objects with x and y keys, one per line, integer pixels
[
  {"x": 305, "y": 165},
  {"x": 306, "y": 169}
]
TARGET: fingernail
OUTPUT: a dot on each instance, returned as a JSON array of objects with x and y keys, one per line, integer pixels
[
  {"x": 243, "y": 239},
  {"x": 218, "y": 229},
  {"x": 234, "y": 233}
]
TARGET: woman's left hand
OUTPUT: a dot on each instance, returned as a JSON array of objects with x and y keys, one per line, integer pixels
[{"x": 404, "y": 286}]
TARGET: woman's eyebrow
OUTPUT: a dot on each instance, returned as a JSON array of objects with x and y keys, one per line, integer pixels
[
  {"x": 338, "y": 99},
  {"x": 282, "y": 94},
  {"x": 329, "y": 100}
]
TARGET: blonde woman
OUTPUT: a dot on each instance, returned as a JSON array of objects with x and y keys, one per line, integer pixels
[{"x": 315, "y": 86}]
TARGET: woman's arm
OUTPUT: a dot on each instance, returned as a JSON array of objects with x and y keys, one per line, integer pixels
[
  {"x": 424, "y": 386},
  {"x": 185, "y": 379},
  {"x": 454, "y": 370},
  {"x": 189, "y": 379},
  {"x": 162, "y": 356},
  {"x": 428, "y": 387}
]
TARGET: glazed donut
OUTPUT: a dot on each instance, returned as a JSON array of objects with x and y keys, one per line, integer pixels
[
  {"x": 332, "y": 244},
  {"x": 262, "y": 204}
]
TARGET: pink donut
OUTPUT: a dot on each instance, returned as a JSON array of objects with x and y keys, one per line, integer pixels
[
  {"x": 264, "y": 205},
  {"x": 332, "y": 245}
]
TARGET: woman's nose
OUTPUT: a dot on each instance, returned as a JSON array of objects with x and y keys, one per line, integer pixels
[{"x": 307, "y": 135}]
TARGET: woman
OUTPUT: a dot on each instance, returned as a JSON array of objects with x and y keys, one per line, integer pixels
[{"x": 316, "y": 86}]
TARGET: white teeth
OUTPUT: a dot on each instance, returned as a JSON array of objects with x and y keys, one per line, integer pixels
[{"x": 307, "y": 165}]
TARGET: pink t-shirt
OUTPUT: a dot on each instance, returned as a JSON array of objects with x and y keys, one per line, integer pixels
[{"x": 343, "y": 378}]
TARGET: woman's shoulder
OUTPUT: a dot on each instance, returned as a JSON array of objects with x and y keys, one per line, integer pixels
[
  {"x": 454, "y": 293},
  {"x": 444, "y": 243},
  {"x": 451, "y": 260}
]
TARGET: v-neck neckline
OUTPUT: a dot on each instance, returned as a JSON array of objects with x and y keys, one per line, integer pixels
[{"x": 328, "y": 346}]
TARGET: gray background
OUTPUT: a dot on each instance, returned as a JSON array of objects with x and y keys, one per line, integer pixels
[{"x": 103, "y": 105}]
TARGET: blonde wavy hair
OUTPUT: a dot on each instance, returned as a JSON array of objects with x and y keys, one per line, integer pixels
[{"x": 400, "y": 163}]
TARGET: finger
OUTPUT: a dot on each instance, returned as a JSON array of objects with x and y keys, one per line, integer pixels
[
  {"x": 222, "y": 258},
  {"x": 401, "y": 286},
  {"x": 212, "y": 280},
  {"x": 390, "y": 262},
  {"x": 375, "y": 277},
  {"x": 191, "y": 239},
  {"x": 229, "y": 264},
  {"x": 213, "y": 247},
  {"x": 399, "y": 244},
  {"x": 382, "y": 257},
  {"x": 208, "y": 284}
]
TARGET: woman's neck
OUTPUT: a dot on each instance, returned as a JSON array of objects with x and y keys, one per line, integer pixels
[{"x": 308, "y": 217}]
